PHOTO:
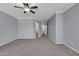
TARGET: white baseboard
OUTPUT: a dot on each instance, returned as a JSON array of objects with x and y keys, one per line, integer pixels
[
  {"x": 71, "y": 48},
  {"x": 25, "y": 37},
  {"x": 59, "y": 42},
  {"x": 7, "y": 42},
  {"x": 52, "y": 41}
]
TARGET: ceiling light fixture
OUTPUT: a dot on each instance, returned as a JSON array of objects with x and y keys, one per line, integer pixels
[{"x": 27, "y": 9}]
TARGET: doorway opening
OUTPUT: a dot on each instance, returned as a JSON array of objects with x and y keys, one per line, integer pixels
[{"x": 40, "y": 29}]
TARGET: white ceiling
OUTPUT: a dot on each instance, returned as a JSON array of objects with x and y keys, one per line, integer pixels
[{"x": 44, "y": 11}]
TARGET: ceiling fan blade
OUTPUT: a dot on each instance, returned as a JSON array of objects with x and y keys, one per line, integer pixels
[
  {"x": 26, "y": 4},
  {"x": 18, "y": 7},
  {"x": 34, "y": 7},
  {"x": 32, "y": 11},
  {"x": 24, "y": 12}
]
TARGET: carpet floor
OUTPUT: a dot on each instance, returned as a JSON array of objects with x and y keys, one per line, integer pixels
[{"x": 35, "y": 47}]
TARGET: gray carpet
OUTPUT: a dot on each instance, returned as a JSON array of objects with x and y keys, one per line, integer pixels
[{"x": 35, "y": 47}]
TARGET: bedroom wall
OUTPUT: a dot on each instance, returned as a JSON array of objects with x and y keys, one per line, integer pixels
[
  {"x": 59, "y": 28},
  {"x": 71, "y": 27},
  {"x": 52, "y": 28},
  {"x": 8, "y": 28},
  {"x": 55, "y": 28},
  {"x": 25, "y": 29}
]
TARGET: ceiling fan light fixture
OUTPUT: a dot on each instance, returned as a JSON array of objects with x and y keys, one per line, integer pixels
[{"x": 27, "y": 9}]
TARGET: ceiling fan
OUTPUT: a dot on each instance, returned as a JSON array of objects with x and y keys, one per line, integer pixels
[{"x": 27, "y": 8}]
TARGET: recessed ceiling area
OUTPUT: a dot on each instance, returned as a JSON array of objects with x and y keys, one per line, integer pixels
[{"x": 44, "y": 11}]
